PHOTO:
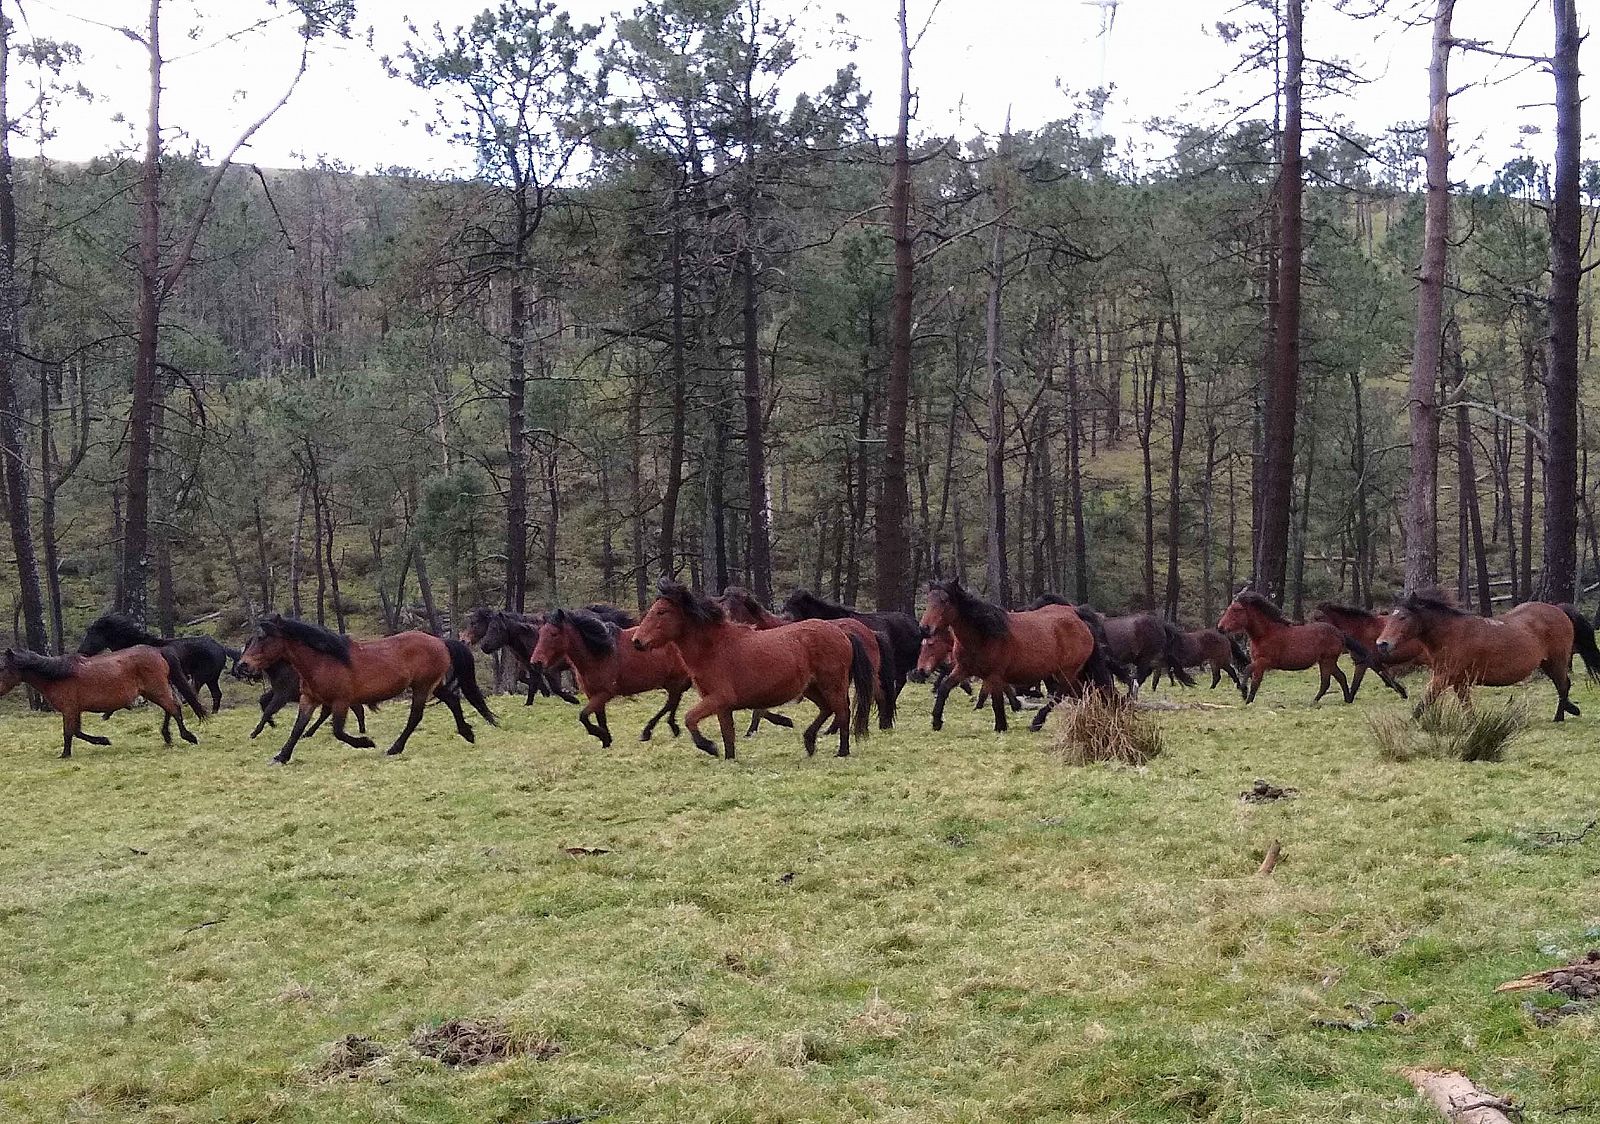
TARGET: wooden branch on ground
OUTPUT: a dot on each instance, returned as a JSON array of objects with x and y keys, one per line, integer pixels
[
  {"x": 1458, "y": 1099},
  {"x": 1270, "y": 863}
]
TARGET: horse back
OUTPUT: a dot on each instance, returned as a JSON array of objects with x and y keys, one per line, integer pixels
[{"x": 383, "y": 668}]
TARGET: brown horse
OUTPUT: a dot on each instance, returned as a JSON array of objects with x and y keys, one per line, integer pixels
[
  {"x": 1055, "y": 645},
  {"x": 1213, "y": 649},
  {"x": 608, "y": 667},
  {"x": 1464, "y": 649},
  {"x": 735, "y": 667},
  {"x": 1278, "y": 643},
  {"x": 743, "y": 607},
  {"x": 483, "y": 623},
  {"x": 103, "y": 683},
  {"x": 936, "y": 661},
  {"x": 338, "y": 672},
  {"x": 1366, "y": 626}
]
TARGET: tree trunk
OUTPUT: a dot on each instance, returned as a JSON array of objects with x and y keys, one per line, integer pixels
[
  {"x": 516, "y": 580},
  {"x": 1283, "y": 387},
  {"x": 760, "y": 540},
  {"x": 680, "y": 383},
  {"x": 1080, "y": 542},
  {"x": 999, "y": 584},
  {"x": 1422, "y": 496},
  {"x": 1180, "y": 407},
  {"x": 1558, "y": 582},
  {"x": 893, "y": 554}
]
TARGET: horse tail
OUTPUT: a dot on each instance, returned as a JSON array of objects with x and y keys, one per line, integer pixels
[
  {"x": 234, "y": 656},
  {"x": 1097, "y": 669},
  {"x": 464, "y": 674},
  {"x": 861, "y": 679},
  {"x": 887, "y": 675},
  {"x": 1241, "y": 658},
  {"x": 1583, "y": 642},
  {"x": 1358, "y": 651},
  {"x": 1172, "y": 652},
  {"x": 180, "y": 683}
]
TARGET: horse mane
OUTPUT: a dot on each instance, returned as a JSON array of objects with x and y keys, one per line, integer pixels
[
  {"x": 119, "y": 631},
  {"x": 1430, "y": 603},
  {"x": 1263, "y": 606},
  {"x": 802, "y": 604},
  {"x": 611, "y": 614},
  {"x": 1050, "y": 599},
  {"x": 50, "y": 668},
  {"x": 599, "y": 636},
  {"x": 988, "y": 620},
  {"x": 1338, "y": 609},
  {"x": 315, "y": 637},
  {"x": 747, "y": 601},
  {"x": 697, "y": 607}
]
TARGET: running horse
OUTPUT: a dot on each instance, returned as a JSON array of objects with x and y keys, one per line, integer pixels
[
  {"x": 735, "y": 667},
  {"x": 901, "y": 630},
  {"x": 111, "y": 681},
  {"x": 937, "y": 661},
  {"x": 608, "y": 666},
  {"x": 1466, "y": 650},
  {"x": 1138, "y": 645},
  {"x": 1055, "y": 644},
  {"x": 1214, "y": 649},
  {"x": 338, "y": 672},
  {"x": 1279, "y": 644},
  {"x": 1366, "y": 626},
  {"x": 480, "y": 622},
  {"x": 200, "y": 658}
]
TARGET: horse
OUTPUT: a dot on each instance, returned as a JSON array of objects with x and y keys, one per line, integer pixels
[
  {"x": 1208, "y": 647},
  {"x": 200, "y": 658},
  {"x": 283, "y": 688},
  {"x": 608, "y": 667},
  {"x": 1138, "y": 645},
  {"x": 338, "y": 672},
  {"x": 936, "y": 661},
  {"x": 905, "y": 637},
  {"x": 743, "y": 607},
  {"x": 1057, "y": 645},
  {"x": 1464, "y": 649},
  {"x": 107, "y": 682},
  {"x": 1277, "y": 643},
  {"x": 541, "y": 681},
  {"x": 1366, "y": 626},
  {"x": 735, "y": 667}
]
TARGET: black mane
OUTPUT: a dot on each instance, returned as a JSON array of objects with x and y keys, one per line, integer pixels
[
  {"x": 1339, "y": 609},
  {"x": 990, "y": 621},
  {"x": 599, "y": 636},
  {"x": 738, "y": 595},
  {"x": 1431, "y": 604},
  {"x": 51, "y": 668},
  {"x": 313, "y": 636},
  {"x": 1050, "y": 599},
  {"x": 612, "y": 615},
  {"x": 1263, "y": 606},
  {"x": 113, "y": 631},
  {"x": 802, "y": 604},
  {"x": 697, "y": 607}
]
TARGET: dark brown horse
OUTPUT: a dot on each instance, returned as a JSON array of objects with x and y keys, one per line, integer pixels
[
  {"x": 541, "y": 681},
  {"x": 901, "y": 629},
  {"x": 735, "y": 667},
  {"x": 1054, "y": 645},
  {"x": 937, "y": 660},
  {"x": 200, "y": 659},
  {"x": 283, "y": 688},
  {"x": 743, "y": 607},
  {"x": 74, "y": 685},
  {"x": 608, "y": 667},
  {"x": 1278, "y": 643},
  {"x": 338, "y": 672},
  {"x": 1465, "y": 650},
  {"x": 1366, "y": 626},
  {"x": 1213, "y": 649}
]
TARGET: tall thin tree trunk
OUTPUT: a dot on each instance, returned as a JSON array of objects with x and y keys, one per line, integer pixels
[
  {"x": 1180, "y": 408},
  {"x": 1080, "y": 542},
  {"x": 680, "y": 389},
  {"x": 760, "y": 550},
  {"x": 516, "y": 580},
  {"x": 999, "y": 584}
]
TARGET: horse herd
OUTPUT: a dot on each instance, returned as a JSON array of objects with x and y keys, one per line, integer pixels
[{"x": 739, "y": 655}]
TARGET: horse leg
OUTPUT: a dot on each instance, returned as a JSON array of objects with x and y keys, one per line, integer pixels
[
  {"x": 1258, "y": 672},
  {"x": 560, "y": 691},
  {"x": 301, "y": 721},
  {"x": 1216, "y": 675},
  {"x": 666, "y": 711},
  {"x": 1327, "y": 679},
  {"x": 1051, "y": 697},
  {"x": 1561, "y": 676},
  {"x": 92, "y": 739},
  {"x": 1344, "y": 686},
  {"x": 823, "y": 713},
  {"x": 940, "y": 693},
  {"x": 597, "y": 730},
  {"x": 216, "y": 694},
  {"x": 361, "y": 717},
  {"x": 452, "y": 699},
  {"x": 340, "y": 714},
  {"x": 997, "y": 699},
  {"x": 839, "y": 704},
  {"x": 534, "y": 681},
  {"x": 1389, "y": 681},
  {"x": 755, "y": 723},
  {"x": 725, "y": 721},
  {"x": 776, "y": 719},
  {"x": 322, "y": 716},
  {"x": 419, "y": 703},
  {"x": 1355, "y": 680},
  {"x": 70, "y": 725},
  {"x": 1011, "y": 697},
  {"x": 692, "y": 719}
]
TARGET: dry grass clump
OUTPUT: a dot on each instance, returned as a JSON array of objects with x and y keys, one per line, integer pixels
[
  {"x": 1104, "y": 728},
  {"x": 471, "y": 1042},
  {"x": 1446, "y": 730}
]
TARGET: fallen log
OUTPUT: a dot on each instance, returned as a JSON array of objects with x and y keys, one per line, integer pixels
[
  {"x": 1458, "y": 1099},
  {"x": 1270, "y": 863}
]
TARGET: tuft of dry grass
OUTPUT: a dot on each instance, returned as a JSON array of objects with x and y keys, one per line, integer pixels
[
  {"x": 1446, "y": 730},
  {"x": 1103, "y": 728}
]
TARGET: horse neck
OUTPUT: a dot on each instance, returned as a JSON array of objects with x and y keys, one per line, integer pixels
[
  {"x": 583, "y": 661},
  {"x": 1259, "y": 626},
  {"x": 309, "y": 665},
  {"x": 699, "y": 643},
  {"x": 969, "y": 638}
]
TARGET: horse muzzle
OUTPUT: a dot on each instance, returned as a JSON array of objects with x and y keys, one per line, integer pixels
[
  {"x": 1383, "y": 647},
  {"x": 917, "y": 676}
]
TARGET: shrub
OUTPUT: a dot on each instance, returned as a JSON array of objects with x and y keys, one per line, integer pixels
[
  {"x": 1446, "y": 730},
  {"x": 1104, "y": 728}
]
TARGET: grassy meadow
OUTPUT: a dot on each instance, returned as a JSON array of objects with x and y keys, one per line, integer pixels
[{"x": 949, "y": 927}]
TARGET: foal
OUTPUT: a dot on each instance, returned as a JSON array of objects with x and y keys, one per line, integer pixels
[
  {"x": 1276, "y": 642},
  {"x": 112, "y": 681},
  {"x": 1366, "y": 626},
  {"x": 608, "y": 667}
]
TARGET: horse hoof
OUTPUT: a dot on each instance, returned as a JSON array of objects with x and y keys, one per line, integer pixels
[
  {"x": 191, "y": 739},
  {"x": 842, "y": 753},
  {"x": 705, "y": 747},
  {"x": 394, "y": 751},
  {"x": 276, "y": 761}
]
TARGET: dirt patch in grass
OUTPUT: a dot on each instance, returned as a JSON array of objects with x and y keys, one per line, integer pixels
[
  {"x": 466, "y": 1042},
  {"x": 1265, "y": 792},
  {"x": 349, "y": 1058}
]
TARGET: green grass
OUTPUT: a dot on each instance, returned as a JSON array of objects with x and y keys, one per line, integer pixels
[{"x": 942, "y": 928}]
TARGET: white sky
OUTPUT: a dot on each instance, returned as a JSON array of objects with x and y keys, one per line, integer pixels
[{"x": 979, "y": 59}]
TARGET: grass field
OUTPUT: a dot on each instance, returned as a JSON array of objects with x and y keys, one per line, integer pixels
[{"x": 944, "y": 927}]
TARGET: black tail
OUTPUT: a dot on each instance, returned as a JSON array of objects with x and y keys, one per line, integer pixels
[
  {"x": 464, "y": 674},
  {"x": 1172, "y": 652},
  {"x": 861, "y": 679},
  {"x": 1583, "y": 642},
  {"x": 180, "y": 683},
  {"x": 1049, "y": 599},
  {"x": 1358, "y": 651},
  {"x": 1098, "y": 668},
  {"x": 888, "y": 676},
  {"x": 1241, "y": 658}
]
